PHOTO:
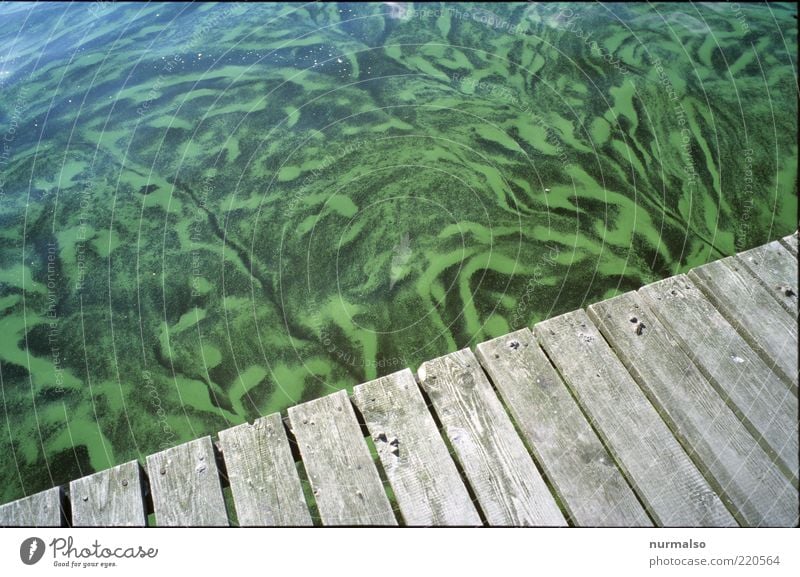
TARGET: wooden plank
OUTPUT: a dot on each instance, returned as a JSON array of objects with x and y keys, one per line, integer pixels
[
  {"x": 588, "y": 482},
  {"x": 755, "y": 393},
  {"x": 753, "y": 312},
  {"x": 423, "y": 476},
  {"x": 185, "y": 484},
  {"x": 502, "y": 474},
  {"x": 670, "y": 486},
  {"x": 264, "y": 481},
  {"x": 790, "y": 242},
  {"x": 37, "y": 510},
  {"x": 343, "y": 477},
  {"x": 110, "y": 498},
  {"x": 741, "y": 472},
  {"x": 776, "y": 268}
]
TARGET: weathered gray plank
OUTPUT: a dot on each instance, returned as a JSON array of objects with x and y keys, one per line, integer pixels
[
  {"x": 110, "y": 498},
  {"x": 671, "y": 487},
  {"x": 741, "y": 472},
  {"x": 184, "y": 481},
  {"x": 37, "y": 510},
  {"x": 755, "y": 393},
  {"x": 502, "y": 474},
  {"x": 584, "y": 475},
  {"x": 423, "y": 476},
  {"x": 264, "y": 481},
  {"x": 753, "y": 312},
  {"x": 776, "y": 268},
  {"x": 790, "y": 242},
  {"x": 344, "y": 479}
]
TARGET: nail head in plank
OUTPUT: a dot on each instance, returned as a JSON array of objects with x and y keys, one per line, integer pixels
[
  {"x": 264, "y": 481},
  {"x": 509, "y": 488},
  {"x": 672, "y": 488},
  {"x": 750, "y": 309},
  {"x": 776, "y": 268},
  {"x": 588, "y": 482},
  {"x": 37, "y": 510},
  {"x": 110, "y": 498},
  {"x": 185, "y": 484},
  {"x": 721, "y": 446},
  {"x": 346, "y": 484},
  {"x": 755, "y": 393},
  {"x": 423, "y": 476}
]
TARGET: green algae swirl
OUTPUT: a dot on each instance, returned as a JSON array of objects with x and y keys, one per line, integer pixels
[{"x": 213, "y": 212}]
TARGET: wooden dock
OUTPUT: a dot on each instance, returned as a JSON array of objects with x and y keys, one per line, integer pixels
[{"x": 673, "y": 405}]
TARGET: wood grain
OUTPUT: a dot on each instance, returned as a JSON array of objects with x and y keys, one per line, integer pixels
[
  {"x": 346, "y": 484},
  {"x": 750, "y": 308},
  {"x": 739, "y": 470},
  {"x": 660, "y": 471},
  {"x": 185, "y": 484},
  {"x": 790, "y": 242},
  {"x": 422, "y": 473},
  {"x": 110, "y": 498},
  {"x": 776, "y": 269},
  {"x": 755, "y": 393},
  {"x": 509, "y": 488},
  {"x": 585, "y": 476},
  {"x": 37, "y": 510},
  {"x": 264, "y": 481}
]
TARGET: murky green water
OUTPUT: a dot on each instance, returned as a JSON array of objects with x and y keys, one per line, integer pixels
[{"x": 211, "y": 213}]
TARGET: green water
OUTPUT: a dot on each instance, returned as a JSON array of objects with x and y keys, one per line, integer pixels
[{"x": 213, "y": 212}]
